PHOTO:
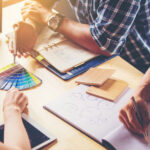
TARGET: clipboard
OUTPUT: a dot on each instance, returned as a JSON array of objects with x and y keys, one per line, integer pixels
[{"x": 76, "y": 70}]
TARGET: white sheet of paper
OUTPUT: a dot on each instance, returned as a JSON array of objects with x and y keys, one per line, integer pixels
[
  {"x": 122, "y": 139},
  {"x": 94, "y": 116}
]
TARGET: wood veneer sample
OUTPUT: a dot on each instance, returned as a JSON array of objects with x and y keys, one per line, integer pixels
[
  {"x": 95, "y": 76},
  {"x": 110, "y": 90}
]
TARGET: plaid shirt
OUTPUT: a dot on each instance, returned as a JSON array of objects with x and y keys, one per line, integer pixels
[{"x": 118, "y": 26}]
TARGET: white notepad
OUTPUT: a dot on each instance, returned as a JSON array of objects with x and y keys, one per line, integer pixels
[
  {"x": 60, "y": 52},
  {"x": 94, "y": 116}
]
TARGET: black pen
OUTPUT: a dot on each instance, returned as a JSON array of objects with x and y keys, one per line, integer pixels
[{"x": 140, "y": 119}]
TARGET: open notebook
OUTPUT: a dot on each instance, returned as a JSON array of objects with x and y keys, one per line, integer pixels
[
  {"x": 96, "y": 117},
  {"x": 61, "y": 53},
  {"x": 122, "y": 139}
]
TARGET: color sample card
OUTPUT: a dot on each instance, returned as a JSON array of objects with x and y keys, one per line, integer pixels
[
  {"x": 110, "y": 90},
  {"x": 14, "y": 75}
]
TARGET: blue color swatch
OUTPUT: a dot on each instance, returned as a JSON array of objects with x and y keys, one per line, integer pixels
[{"x": 14, "y": 75}]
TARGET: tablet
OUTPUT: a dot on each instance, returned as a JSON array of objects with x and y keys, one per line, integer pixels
[{"x": 38, "y": 136}]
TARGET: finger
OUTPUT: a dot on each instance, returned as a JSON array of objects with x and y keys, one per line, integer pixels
[
  {"x": 25, "y": 55},
  {"x": 145, "y": 116},
  {"x": 26, "y": 111},
  {"x": 29, "y": 7},
  {"x": 12, "y": 51},
  {"x": 13, "y": 89},
  {"x": 27, "y": 3},
  {"x": 25, "y": 7},
  {"x": 20, "y": 51},
  {"x": 10, "y": 45},
  {"x": 17, "y": 95},
  {"x": 124, "y": 122},
  {"x": 31, "y": 12},
  {"x": 124, "y": 118},
  {"x": 19, "y": 54},
  {"x": 32, "y": 15},
  {"x": 133, "y": 120},
  {"x": 23, "y": 102},
  {"x": 16, "y": 26}
]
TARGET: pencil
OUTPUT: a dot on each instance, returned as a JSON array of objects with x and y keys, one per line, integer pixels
[
  {"x": 14, "y": 44},
  {"x": 140, "y": 119}
]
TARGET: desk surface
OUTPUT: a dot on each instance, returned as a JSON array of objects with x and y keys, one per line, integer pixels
[{"x": 68, "y": 137}]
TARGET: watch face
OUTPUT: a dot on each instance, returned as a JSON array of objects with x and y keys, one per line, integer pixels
[{"x": 54, "y": 22}]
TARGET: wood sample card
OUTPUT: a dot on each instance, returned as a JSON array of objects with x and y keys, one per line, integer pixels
[
  {"x": 95, "y": 76},
  {"x": 110, "y": 90}
]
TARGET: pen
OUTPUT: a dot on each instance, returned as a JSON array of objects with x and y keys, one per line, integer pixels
[
  {"x": 14, "y": 43},
  {"x": 139, "y": 118}
]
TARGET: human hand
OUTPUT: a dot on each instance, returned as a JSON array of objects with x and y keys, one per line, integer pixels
[
  {"x": 15, "y": 101},
  {"x": 128, "y": 116},
  {"x": 143, "y": 89},
  {"x": 35, "y": 11},
  {"x": 26, "y": 38},
  {"x": 127, "y": 113}
]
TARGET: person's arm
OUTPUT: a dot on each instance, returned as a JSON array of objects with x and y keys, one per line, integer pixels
[
  {"x": 15, "y": 135},
  {"x": 127, "y": 114},
  {"x": 47, "y": 3},
  {"x": 105, "y": 34},
  {"x": 80, "y": 34}
]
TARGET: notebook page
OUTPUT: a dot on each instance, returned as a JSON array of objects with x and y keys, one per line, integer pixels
[
  {"x": 59, "y": 52},
  {"x": 48, "y": 38},
  {"x": 122, "y": 139},
  {"x": 94, "y": 116}
]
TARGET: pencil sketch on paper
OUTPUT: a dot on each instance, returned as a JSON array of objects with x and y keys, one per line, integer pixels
[
  {"x": 92, "y": 115},
  {"x": 89, "y": 108}
]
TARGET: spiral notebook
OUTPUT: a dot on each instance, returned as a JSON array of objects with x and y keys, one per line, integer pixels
[
  {"x": 61, "y": 53},
  {"x": 96, "y": 117}
]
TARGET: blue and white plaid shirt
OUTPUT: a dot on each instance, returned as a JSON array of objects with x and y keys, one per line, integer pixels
[{"x": 118, "y": 26}]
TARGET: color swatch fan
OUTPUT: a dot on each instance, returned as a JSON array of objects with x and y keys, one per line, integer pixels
[{"x": 14, "y": 75}]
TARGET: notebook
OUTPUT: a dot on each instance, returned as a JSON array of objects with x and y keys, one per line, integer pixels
[
  {"x": 122, "y": 139},
  {"x": 61, "y": 53},
  {"x": 93, "y": 116}
]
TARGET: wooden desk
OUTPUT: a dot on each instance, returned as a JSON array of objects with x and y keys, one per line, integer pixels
[
  {"x": 68, "y": 137},
  {"x": 52, "y": 87}
]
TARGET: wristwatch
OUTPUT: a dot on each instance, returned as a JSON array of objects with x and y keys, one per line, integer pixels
[{"x": 55, "y": 21}]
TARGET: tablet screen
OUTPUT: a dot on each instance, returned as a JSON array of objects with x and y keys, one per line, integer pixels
[{"x": 36, "y": 136}]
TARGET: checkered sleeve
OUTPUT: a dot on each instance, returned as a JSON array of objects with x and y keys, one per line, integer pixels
[{"x": 113, "y": 23}]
